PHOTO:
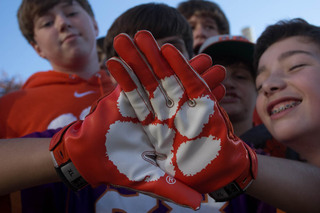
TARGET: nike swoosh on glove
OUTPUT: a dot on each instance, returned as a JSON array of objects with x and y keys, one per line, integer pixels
[
  {"x": 110, "y": 147},
  {"x": 192, "y": 136}
]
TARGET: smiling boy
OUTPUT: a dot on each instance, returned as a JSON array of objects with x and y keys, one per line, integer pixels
[
  {"x": 235, "y": 53},
  {"x": 288, "y": 63}
]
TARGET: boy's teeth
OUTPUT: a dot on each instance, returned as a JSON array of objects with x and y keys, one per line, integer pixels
[{"x": 284, "y": 107}]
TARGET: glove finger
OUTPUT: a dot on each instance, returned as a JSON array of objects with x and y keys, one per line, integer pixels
[
  {"x": 129, "y": 53},
  {"x": 170, "y": 90},
  {"x": 201, "y": 63},
  {"x": 193, "y": 84},
  {"x": 211, "y": 74},
  {"x": 219, "y": 92},
  {"x": 130, "y": 84},
  {"x": 122, "y": 74},
  {"x": 149, "y": 47},
  {"x": 214, "y": 75}
]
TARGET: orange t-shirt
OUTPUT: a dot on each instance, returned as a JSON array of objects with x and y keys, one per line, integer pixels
[{"x": 49, "y": 100}]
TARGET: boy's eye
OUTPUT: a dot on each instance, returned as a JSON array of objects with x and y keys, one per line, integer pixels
[
  {"x": 192, "y": 26},
  {"x": 258, "y": 88},
  {"x": 70, "y": 14},
  {"x": 296, "y": 67},
  {"x": 211, "y": 27},
  {"x": 47, "y": 24},
  {"x": 241, "y": 77}
]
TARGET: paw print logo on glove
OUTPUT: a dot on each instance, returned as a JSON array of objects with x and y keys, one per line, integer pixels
[{"x": 161, "y": 150}]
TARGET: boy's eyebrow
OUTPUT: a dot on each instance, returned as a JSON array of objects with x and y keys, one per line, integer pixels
[
  {"x": 292, "y": 52},
  {"x": 67, "y": 4},
  {"x": 285, "y": 55}
]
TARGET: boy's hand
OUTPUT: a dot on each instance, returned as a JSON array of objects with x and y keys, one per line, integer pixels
[
  {"x": 111, "y": 147},
  {"x": 192, "y": 137}
]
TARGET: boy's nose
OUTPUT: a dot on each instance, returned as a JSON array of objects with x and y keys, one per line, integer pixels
[
  {"x": 273, "y": 84},
  {"x": 229, "y": 82},
  {"x": 199, "y": 31},
  {"x": 63, "y": 22}
]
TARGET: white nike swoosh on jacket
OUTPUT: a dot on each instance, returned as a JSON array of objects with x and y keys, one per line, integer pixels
[{"x": 80, "y": 95}]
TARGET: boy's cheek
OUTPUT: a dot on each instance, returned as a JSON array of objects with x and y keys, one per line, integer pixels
[{"x": 259, "y": 107}]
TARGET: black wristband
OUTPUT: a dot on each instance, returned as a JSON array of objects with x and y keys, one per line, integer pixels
[
  {"x": 70, "y": 176},
  {"x": 227, "y": 193}
]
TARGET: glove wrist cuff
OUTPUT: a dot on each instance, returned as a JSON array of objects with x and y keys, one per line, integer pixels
[
  {"x": 63, "y": 164},
  {"x": 239, "y": 185},
  {"x": 229, "y": 191},
  {"x": 69, "y": 174}
]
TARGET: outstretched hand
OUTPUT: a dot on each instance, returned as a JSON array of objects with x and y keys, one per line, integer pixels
[{"x": 191, "y": 135}]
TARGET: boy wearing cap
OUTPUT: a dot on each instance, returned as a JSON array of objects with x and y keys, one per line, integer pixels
[{"x": 236, "y": 54}]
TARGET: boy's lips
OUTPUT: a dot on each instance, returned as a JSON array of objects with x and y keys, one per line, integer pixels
[
  {"x": 70, "y": 36},
  {"x": 281, "y": 105},
  {"x": 230, "y": 98}
]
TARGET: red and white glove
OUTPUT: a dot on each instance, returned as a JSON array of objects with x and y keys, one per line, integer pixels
[
  {"x": 110, "y": 147},
  {"x": 192, "y": 137}
]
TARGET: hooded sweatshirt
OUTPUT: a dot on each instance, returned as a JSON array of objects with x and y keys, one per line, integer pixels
[{"x": 50, "y": 100}]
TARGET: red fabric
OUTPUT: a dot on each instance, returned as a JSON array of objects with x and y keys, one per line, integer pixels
[{"x": 46, "y": 96}]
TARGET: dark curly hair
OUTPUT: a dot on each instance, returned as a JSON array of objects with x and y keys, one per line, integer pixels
[{"x": 282, "y": 30}]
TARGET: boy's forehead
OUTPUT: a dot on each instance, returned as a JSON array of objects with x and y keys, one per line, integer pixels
[
  {"x": 282, "y": 47},
  {"x": 49, "y": 5},
  {"x": 202, "y": 17},
  {"x": 205, "y": 14}
]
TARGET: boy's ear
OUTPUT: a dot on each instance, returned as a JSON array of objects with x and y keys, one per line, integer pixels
[{"x": 38, "y": 50}]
